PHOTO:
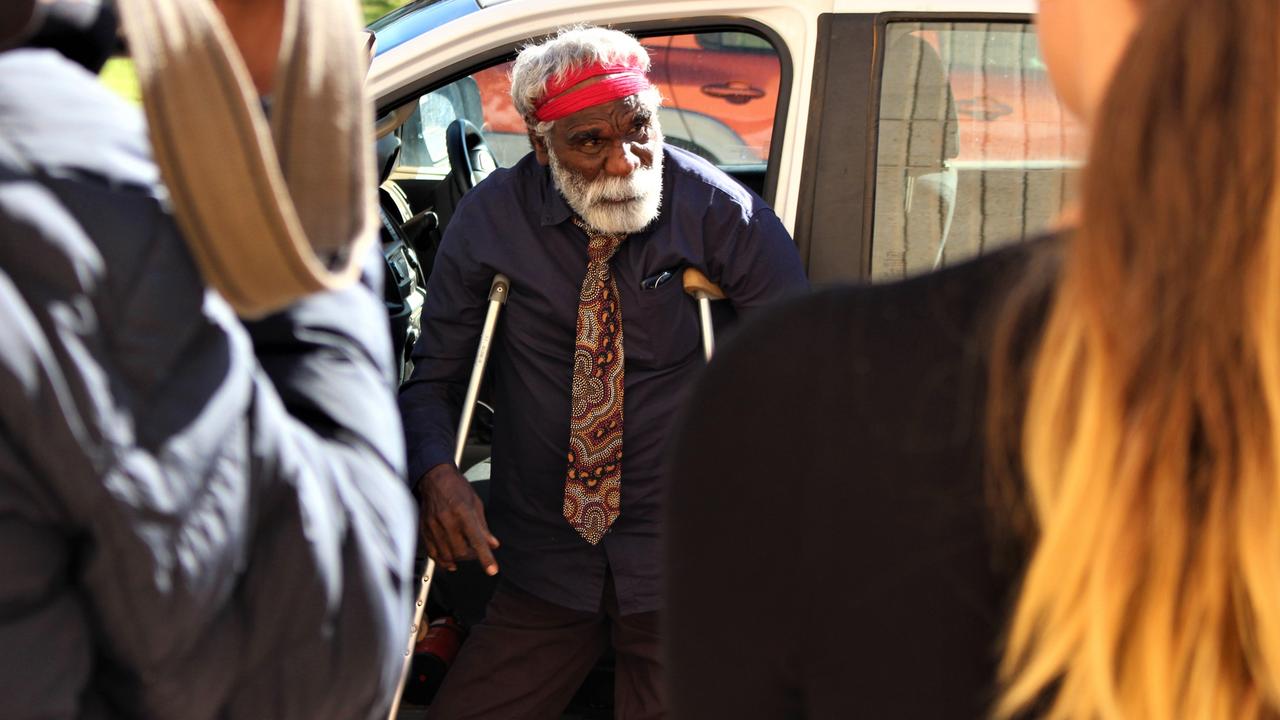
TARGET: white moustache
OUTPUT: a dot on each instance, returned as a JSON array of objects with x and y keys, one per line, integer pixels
[{"x": 610, "y": 203}]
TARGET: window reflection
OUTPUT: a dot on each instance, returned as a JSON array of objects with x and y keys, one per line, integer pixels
[{"x": 975, "y": 151}]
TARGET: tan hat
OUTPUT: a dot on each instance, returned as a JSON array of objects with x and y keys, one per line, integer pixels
[{"x": 272, "y": 210}]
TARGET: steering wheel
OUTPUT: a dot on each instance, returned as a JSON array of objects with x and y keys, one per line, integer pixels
[{"x": 469, "y": 155}]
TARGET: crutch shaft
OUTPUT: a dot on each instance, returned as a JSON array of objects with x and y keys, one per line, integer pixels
[
  {"x": 419, "y": 609},
  {"x": 708, "y": 331},
  {"x": 497, "y": 298},
  {"x": 498, "y": 292},
  {"x": 704, "y": 291}
]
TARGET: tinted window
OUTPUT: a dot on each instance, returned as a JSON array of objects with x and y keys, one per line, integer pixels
[
  {"x": 720, "y": 94},
  {"x": 422, "y": 143},
  {"x": 975, "y": 151}
]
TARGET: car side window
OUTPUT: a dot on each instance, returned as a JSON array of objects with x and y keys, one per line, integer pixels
[
  {"x": 720, "y": 96},
  {"x": 422, "y": 136},
  {"x": 482, "y": 98},
  {"x": 975, "y": 151}
]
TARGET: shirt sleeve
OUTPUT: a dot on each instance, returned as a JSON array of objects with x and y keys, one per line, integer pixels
[
  {"x": 754, "y": 260},
  {"x": 431, "y": 400}
]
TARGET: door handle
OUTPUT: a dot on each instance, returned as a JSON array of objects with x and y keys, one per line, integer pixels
[{"x": 736, "y": 92}]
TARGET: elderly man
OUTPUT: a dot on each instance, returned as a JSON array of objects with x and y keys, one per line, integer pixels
[{"x": 596, "y": 351}]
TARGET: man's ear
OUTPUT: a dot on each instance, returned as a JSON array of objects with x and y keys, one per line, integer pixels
[{"x": 540, "y": 150}]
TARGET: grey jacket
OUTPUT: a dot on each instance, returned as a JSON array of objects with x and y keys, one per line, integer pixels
[{"x": 198, "y": 518}]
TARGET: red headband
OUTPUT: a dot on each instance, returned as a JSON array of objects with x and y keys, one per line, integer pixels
[{"x": 623, "y": 81}]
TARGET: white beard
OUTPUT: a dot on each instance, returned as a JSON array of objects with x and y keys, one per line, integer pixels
[{"x": 609, "y": 204}]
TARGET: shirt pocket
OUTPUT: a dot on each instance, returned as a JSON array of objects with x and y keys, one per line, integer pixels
[{"x": 660, "y": 326}]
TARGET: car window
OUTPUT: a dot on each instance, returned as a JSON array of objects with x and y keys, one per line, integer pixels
[
  {"x": 720, "y": 95},
  {"x": 422, "y": 136},
  {"x": 975, "y": 151}
]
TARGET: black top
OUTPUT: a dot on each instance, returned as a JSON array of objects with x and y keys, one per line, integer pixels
[
  {"x": 517, "y": 223},
  {"x": 832, "y": 552}
]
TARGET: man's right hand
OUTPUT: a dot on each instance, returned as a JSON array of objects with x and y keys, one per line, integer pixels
[{"x": 453, "y": 523}]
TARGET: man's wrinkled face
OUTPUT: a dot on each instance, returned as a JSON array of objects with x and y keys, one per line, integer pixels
[{"x": 606, "y": 161}]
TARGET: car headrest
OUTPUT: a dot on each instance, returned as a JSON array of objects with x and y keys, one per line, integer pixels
[{"x": 386, "y": 150}]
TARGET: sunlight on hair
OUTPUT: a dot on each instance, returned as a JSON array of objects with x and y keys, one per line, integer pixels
[{"x": 1151, "y": 441}]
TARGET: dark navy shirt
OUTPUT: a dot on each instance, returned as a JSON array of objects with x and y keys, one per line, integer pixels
[{"x": 517, "y": 223}]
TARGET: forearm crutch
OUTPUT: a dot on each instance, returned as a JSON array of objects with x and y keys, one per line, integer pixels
[
  {"x": 498, "y": 292},
  {"x": 704, "y": 291}
]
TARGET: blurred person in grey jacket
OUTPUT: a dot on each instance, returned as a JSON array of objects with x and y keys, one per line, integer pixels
[{"x": 200, "y": 517}]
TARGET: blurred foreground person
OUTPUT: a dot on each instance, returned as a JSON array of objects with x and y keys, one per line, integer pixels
[
  {"x": 200, "y": 517},
  {"x": 1046, "y": 483}
]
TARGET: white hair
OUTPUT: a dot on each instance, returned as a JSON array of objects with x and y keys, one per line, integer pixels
[{"x": 573, "y": 48}]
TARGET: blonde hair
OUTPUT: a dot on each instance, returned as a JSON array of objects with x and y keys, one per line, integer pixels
[{"x": 1150, "y": 440}]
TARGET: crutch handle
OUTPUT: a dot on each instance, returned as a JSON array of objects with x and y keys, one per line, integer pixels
[
  {"x": 695, "y": 282},
  {"x": 499, "y": 290}
]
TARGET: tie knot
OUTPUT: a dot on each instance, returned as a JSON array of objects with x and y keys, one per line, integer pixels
[{"x": 600, "y": 246}]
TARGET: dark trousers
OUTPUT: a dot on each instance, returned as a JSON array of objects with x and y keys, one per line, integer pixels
[{"x": 528, "y": 657}]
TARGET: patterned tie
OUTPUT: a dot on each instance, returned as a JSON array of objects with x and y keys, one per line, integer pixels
[{"x": 592, "y": 494}]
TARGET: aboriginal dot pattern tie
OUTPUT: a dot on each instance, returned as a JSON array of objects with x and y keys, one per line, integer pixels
[{"x": 592, "y": 488}]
